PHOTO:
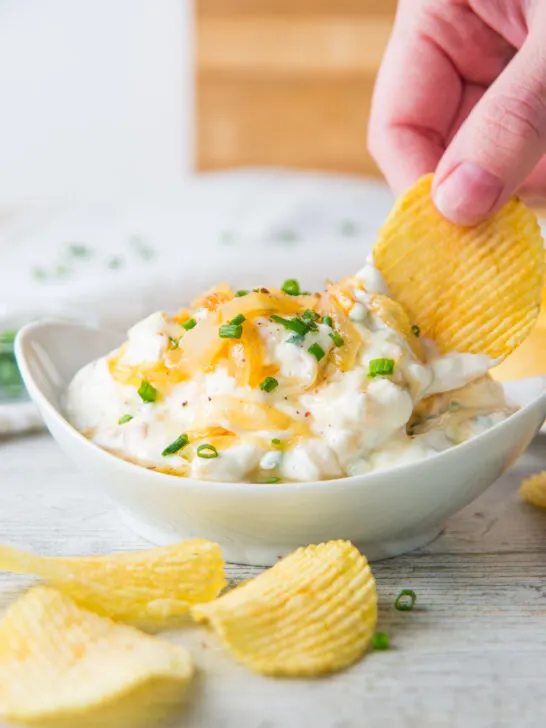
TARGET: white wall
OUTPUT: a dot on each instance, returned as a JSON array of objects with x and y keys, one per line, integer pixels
[{"x": 95, "y": 97}]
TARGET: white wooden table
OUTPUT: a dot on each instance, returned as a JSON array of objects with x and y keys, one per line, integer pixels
[{"x": 472, "y": 653}]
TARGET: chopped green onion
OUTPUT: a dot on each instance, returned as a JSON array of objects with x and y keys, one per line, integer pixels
[
  {"x": 269, "y": 481},
  {"x": 238, "y": 319},
  {"x": 230, "y": 331},
  {"x": 269, "y": 384},
  {"x": 295, "y": 339},
  {"x": 275, "y": 441},
  {"x": 328, "y": 321},
  {"x": 293, "y": 324},
  {"x": 416, "y": 330},
  {"x": 180, "y": 442},
  {"x": 336, "y": 338},
  {"x": 380, "y": 641},
  {"x": 208, "y": 452},
  {"x": 291, "y": 287},
  {"x": 124, "y": 419},
  {"x": 380, "y": 367},
  {"x": 317, "y": 351},
  {"x": 79, "y": 250},
  {"x": 173, "y": 343},
  {"x": 147, "y": 391},
  {"x": 405, "y": 601},
  {"x": 189, "y": 324},
  {"x": 309, "y": 315},
  {"x": 241, "y": 293}
]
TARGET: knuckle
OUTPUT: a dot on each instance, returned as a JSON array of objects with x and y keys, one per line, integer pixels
[{"x": 516, "y": 118}]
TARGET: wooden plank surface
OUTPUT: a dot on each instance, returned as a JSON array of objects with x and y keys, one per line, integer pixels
[
  {"x": 471, "y": 655},
  {"x": 287, "y": 83}
]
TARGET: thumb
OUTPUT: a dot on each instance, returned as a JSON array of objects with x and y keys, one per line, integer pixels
[{"x": 500, "y": 142}]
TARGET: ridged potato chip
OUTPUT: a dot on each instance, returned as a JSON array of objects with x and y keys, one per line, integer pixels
[
  {"x": 533, "y": 489},
  {"x": 58, "y": 661},
  {"x": 314, "y": 612},
  {"x": 153, "y": 584},
  {"x": 475, "y": 289}
]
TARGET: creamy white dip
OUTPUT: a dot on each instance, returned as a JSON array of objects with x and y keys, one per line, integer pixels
[{"x": 318, "y": 422}]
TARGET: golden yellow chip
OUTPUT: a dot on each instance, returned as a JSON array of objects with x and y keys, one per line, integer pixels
[
  {"x": 314, "y": 612},
  {"x": 533, "y": 489},
  {"x": 142, "y": 585},
  {"x": 476, "y": 289},
  {"x": 58, "y": 660}
]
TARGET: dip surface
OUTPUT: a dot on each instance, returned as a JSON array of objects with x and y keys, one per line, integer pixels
[{"x": 275, "y": 386}]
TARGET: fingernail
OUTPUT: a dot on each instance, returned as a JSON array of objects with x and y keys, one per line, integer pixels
[{"x": 468, "y": 194}]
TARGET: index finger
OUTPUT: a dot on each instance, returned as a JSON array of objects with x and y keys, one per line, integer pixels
[{"x": 436, "y": 56}]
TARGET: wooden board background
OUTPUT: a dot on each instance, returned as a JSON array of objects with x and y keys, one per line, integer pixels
[{"x": 287, "y": 82}]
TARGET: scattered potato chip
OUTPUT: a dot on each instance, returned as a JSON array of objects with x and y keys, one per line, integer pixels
[
  {"x": 314, "y": 612},
  {"x": 142, "y": 585},
  {"x": 533, "y": 489},
  {"x": 58, "y": 660},
  {"x": 475, "y": 289}
]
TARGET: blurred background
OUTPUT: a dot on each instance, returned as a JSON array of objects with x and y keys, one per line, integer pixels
[{"x": 121, "y": 97}]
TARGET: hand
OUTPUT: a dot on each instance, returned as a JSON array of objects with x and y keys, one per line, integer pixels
[{"x": 462, "y": 90}]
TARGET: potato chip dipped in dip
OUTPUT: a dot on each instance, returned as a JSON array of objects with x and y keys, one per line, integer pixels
[{"x": 270, "y": 386}]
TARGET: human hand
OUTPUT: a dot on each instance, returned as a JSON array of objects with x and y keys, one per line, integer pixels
[{"x": 462, "y": 90}]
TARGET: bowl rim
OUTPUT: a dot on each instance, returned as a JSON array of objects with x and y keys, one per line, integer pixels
[{"x": 352, "y": 481}]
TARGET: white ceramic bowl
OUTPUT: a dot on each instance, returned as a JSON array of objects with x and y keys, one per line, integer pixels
[{"x": 384, "y": 514}]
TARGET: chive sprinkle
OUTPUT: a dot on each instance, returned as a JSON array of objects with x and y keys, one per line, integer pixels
[
  {"x": 275, "y": 441},
  {"x": 206, "y": 451},
  {"x": 269, "y": 481},
  {"x": 295, "y": 339},
  {"x": 125, "y": 418},
  {"x": 328, "y": 321},
  {"x": 291, "y": 287},
  {"x": 147, "y": 391},
  {"x": 173, "y": 343},
  {"x": 405, "y": 601},
  {"x": 241, "y": 293},
  {"x": 269, "y": 384},
  {"x": 230, "y": 331},
  {"x": 309, "y": 315},
  {"x": 180, "y": 442},
  {"x": 380, "y": 367},
  {"x": 416, "y": 330},
  {"x": 293, "y": 324},
  {"x": 317, "y": 351},
  {"x": 336, "y": 338},
  {"x": 238, "y": 319},
  {"x": 380, "y": 641},
  {"x": 189, "y": 324}
]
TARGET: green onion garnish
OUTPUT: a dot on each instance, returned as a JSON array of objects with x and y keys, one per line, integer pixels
[
  {"x": 309, "y": 315},
  {"x": 275, "y": 441},
  {"x": 238, "y": 319},
  {"x": 147, "y": 391},
  {"x": 173, "y": 343},
  {"x": 293, "y": 324},
  {"x": 269, "y": 481},
  {"x": 328, "y": 321},
  {"x": 206, "y": 451},
  {"x": 295, "y": 339},
  {"x": 317, "y": 351},
  {"x": 189, "y": 324},
  {"x": 124, "y": 419},
  {"x": 336, "y": 338},
  {"x": 241, "y": 293},
  {"x": 230, "y": 331},
  {"x": 177, "y": 445},
  {"x": 405, "y": 601},
  {"x": 269, "y": 384},
  {"x": 416, "y": 330},
  {"x": 291, "y": 287},
  {"x": 380, "y": 367},
  {"x": 380, "y": 641}
]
